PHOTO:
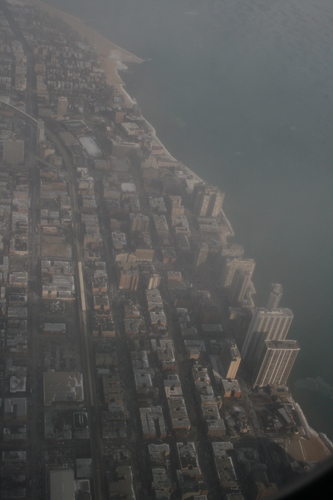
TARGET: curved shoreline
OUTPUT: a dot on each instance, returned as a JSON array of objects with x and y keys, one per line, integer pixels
[
  {"x": 313, "y": 446},
  {"x": 111, "y": 57},
  {"x": 108, "y": 52}
]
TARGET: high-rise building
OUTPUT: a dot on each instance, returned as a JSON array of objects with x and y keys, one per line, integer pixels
[
  {"x": 231, "y": 265},
  {"x": 247, "y": 299},
  {"x": 201, "y": 254},
  {"x": 232, "y": 251},
  {"x": 154, "y": 281},
  {"x": 175, "y": 206},
  {"x": 40, "y": 131},
  {"x": 13, "y": 151},
  {"x": 62, "y": 107},
  {"x": 276, "y": 362},
  {"x": 230, "y": 358},
  {"x": 129, "y": 279},
  {"x": 265, "y": 325},
  {"x": 139, "y": 223},
  {"x": 275, "y": 296},
  {"x": 215, "y": 203},
  {"x": 208, "y": 201},
  {"x": 239, "y": 285},
  {"x": 201, "y": 202}
]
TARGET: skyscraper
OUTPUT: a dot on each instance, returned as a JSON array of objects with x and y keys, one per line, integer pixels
[
  {"x": 201, "y": 202},
  {"x": 231, "y": 265},
  {"x": 129, "y": 279},
  {"x": 208, "y": 201},
  {"x": 40, "y": 131},
  {"x": 154, "y": 281},
  {"x": 230, "y": 358},
  {"x": 62, "y": 107},
  {"x": 215, "y": 203},
  {"x": 201, "y": 254},
  {"x": 276, "y": 362},
  {"x": 239, "y": 285},
  {"x": 265, "y": 325},
  {"x": 139, "y": 223},
  {"x": 275, "y": 296}
]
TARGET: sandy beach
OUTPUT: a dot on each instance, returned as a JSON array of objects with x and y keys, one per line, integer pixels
[
  {"x": 312, "y": 449},
  {"x": 111, "y": 56}
]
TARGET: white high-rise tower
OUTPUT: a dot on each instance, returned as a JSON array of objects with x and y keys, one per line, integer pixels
[{"x": 265, "y": 325}]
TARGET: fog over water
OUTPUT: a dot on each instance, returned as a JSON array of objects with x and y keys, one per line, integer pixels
[{"x": 242, "y": 93}]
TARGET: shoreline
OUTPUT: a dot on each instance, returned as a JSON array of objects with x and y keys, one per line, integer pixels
[
  {"x": 314, "y": 446},
  {"x": 111, "y": 57},
  {"x": 109, "y": 54}
]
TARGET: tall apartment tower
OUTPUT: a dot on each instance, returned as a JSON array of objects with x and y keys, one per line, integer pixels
[
  {"x": 202, "y": 200},
  {"x": 40, "y": 131},
  {"x": 13, "y": 151},
  {"x": 175, "y": 206},
  {"x": 129, "y": 280},
  {"x": 275, "y": 296},
  {"x": 215, "y": 204},
  {"x": 139, "y": 223},
  {"x": 208, "y": 201},
  {"x": 239, "y": 285},
  {"x": 231, "y": 265},
  {"x": 265, "y": 325},
  {"x": 276, "y": 362},
  {"x": 201, "y": 254},
  {"x": 230, "y": 358},
  {"x": 62, "y": 107},
  {"x": 154, "y": 281}
]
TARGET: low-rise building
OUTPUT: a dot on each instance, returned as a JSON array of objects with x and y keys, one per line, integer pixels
[
  {"x": 64, "y": 387},
  {"x": 122, "y": 485},
  {"x": 178, "y": 413},
  {"x": 54, "y": 329},
  {"x": 231, "y": 388},
  {"x": 152, "y": 422}
]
